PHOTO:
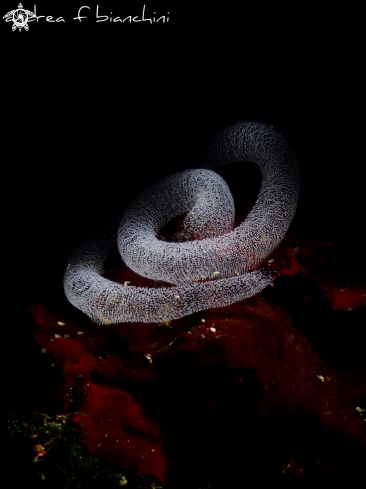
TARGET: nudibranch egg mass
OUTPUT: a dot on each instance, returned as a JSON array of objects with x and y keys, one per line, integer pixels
[{"x": 216, "y": 270}]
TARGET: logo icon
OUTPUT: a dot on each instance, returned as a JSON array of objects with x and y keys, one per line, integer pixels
[{"x": 19, "y": 17}]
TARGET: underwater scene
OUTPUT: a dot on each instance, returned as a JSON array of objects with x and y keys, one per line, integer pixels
[{"x": 185, "y": 293}]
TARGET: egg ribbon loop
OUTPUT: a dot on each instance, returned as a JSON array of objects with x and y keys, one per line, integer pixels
[{"x": 214, "y": 271}]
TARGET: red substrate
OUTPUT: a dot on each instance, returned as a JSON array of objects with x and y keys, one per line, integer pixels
[{"x": 223, "y": 391}]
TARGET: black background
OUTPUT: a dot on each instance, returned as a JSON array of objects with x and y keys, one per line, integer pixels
[{"x": 94, "y": 112}]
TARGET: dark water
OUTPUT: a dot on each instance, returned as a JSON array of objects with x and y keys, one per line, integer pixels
[{"x": 94, "y": 115}]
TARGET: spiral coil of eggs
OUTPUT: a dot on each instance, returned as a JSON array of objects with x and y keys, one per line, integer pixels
[{"x": 216, "y": 270}]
